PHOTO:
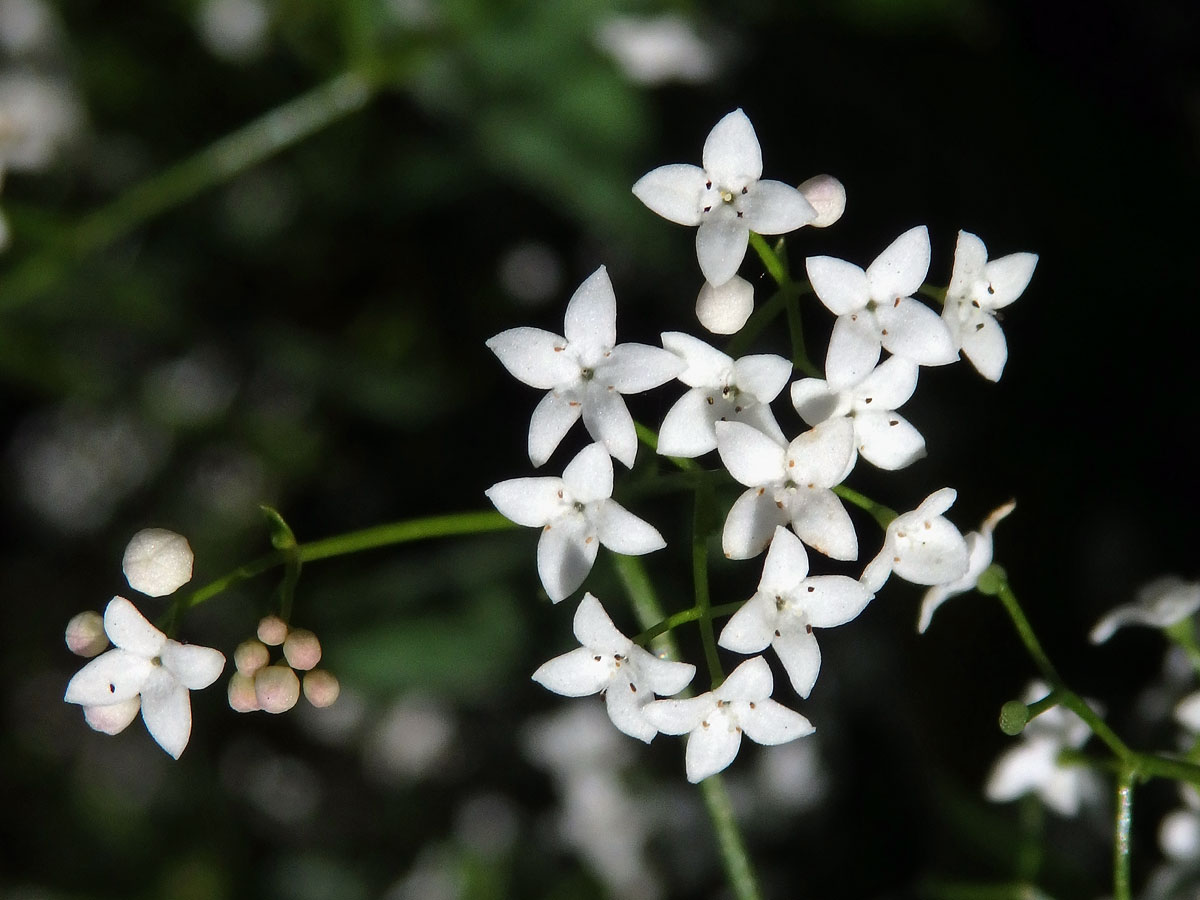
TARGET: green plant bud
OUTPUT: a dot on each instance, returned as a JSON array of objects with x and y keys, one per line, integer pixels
[{"x": 1014, "y": 715}]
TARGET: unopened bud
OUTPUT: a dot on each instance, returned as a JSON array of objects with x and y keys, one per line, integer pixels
[
  {"x": 272, "y": 630},
  {"x": 114, "y": 717},
  {"x": 1014, "y": 715},
  {"x": 250, "y": 656},
  {"x": 321, "y": 687},
  {"x": 157, "y": 562},
  {"x": 724, "y": 309},
  {"x": 276, "y": 688},
  {"x": 243, "y": 696},
  {"x": 85, "y": 634},
  {"x": 302, "y": 649},
  {"x": 827, "y": 196}
]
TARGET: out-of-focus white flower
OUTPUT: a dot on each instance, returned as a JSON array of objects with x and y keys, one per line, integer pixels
[
  {"x": 38, "y": 116},
  {"x": 576, "y": 514},
  {"x": 26, "y": 26},
  {"x": 657, "y": 49},
  {"x": 157, "y": 562},
  {"x": 979, "y": 557},
  {"x": 234, "y": 30},
  {"x": 1179, "y": 831},
  {"x": 1159, "y": 604},
  {"x": 608, "y": 661},
  {"x": 727, "y": 198},
  {"x": 146, "y": 670},
  {"x": 921, "y": 546},
  {"x": 586, "y": 372}
]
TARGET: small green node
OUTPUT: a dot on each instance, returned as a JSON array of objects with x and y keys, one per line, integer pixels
[
  {"x": 1013, "y": 717},
  {"x": 991, "y": 580},
  {"x": 282, "y": 537}
]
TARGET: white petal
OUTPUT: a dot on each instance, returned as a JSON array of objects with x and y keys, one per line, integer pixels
[
  {"x": 705, "y": 365},
  {"x": 818, "y": 456},
  {"x": 786, "y": 564},
  {"x": 622, "y": 532},
  {"x": 771, "y": 723},
  {"x": 625, "y": 705},
  {"x": 112, "y": 677},
  {"x": 608, "y": 421},
  {"x": 888, "y": 440},
  {"x": 750, "y": 456},
  {"x": 112, "y": 718},
  {"x": 777, "y": 208},
  {"x": 853, "y": 350},
  {"x": 821, "y": 521},
  {"x": 157, "y": 562},
  {"x": 535, "y": 357},
  {"x": 911, "y": 329},
  {"x": 762, "y": 375},
  {"x": 759, "y": 417},
  {"x": 984, "y": 345},
  {"x": 531, "y": 502},
  {"x": 679, "y": 716},
  {"x": 552, "y": 419},
  {"x": 720, "y": 248},
  {"x": 889, "y": 386},
  {"x": 936, "y": 554},
  {"x": 750, "y": 681},
  {"x": 195, "y": 667},
  {"x": 751, "y": 628},
  {"x": 724, "y": 309},
  {"x": 687, "y": 430},
  {"x": 814, "y": 401},
  {"x": 565, "y": 555},
  {"x": 674, "y": 192},
  {"x": 878, "y": 570},
  {"x": 633, "y": 368},
  {"x": 750, "y": 524},
  {"x": 832, "y": 600},
  {"x": 936, "y": 503},
  {"x": 591, "y": 318},
  {"x": 931, "y": 601},
  {"x": 589, "y": 476},
  {"x": 167, "y": 711},
  {"x": 970, "y": 256},
  {"x": 840, "y": 285},
  {"x": 901, "y": 268},
  {"x": 575, "y": 674},
  {"x": 1008, "y": 277},
  {"x": 1021, "y": 769},
  {"x": 732, "y": 155},
  {"x": 710, "y": 750},
  {"x": 661, "y": 676},
  {"x": 595, "y": 630},
  {"x": 128, "y": 629}
]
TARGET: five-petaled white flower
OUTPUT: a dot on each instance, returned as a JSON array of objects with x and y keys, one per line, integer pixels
[
  {"x": 145, "y": 670},
  {"x": 875, "y": 309},
  {"x": 788, "y": 483},
  {"x": 979, "y": 557},
  {"x": 715, "y": 722},
  {"x": 788, "y": 606},
  {"x": 977, "y": 289},
  {"x": 586, "y": 372},
  {"x": 884, "y": 437},
  {"x": 727, "y": 197},
  {"x": 1160, "y": 604},
  {"x": 722, "y": 390},
  {"x": 576, "y": 515},
  {"x": 610, "y": 662},
  {"x": 921, "y": 546}
]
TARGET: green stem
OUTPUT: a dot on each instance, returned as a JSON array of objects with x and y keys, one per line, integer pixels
[
  {"x": 884, "y": 515},
  {"x": 1183, "y": 634},
  {"x": 771, "y": 260},
  {"x": 796, "y": 330},
  {"x": 700, "y": 580},
  {"x": 1123, "y": 825},
  {"x": 670, "y": 623},
  {"x": 261, "y": 139}
]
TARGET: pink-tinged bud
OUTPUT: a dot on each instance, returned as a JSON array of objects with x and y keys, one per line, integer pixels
[
  {"x": 85, "y": 634},
  {"x": 250, "y": 656},
  {"x": 321, "y": 688},
  {"x": 302, "y": 649},
  {"x": 113, "y": 718},
  {"x": 827, "y": 196},
  {"x": 243, "y": 696},
  {"x": 277, "y": 688},
  {"x": 272, "y": 630}
]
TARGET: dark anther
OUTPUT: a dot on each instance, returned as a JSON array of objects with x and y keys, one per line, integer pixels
[{"x": 707, "y": 185}]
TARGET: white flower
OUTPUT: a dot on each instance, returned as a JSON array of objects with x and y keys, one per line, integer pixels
[
  {"x": 1179, "y": 831},
  {"x": 874, "y": 309},
  {"x": 585, "y": 372},
  {"x": 921, "y": 546},
  {"x": 576, "y": 515},
  {"x": 883, "y": 436},
  {"x": 657, "y": 49},
  {"x": 610, "y": 662},
  {"x": 788, "y": 483},
  {"x": 726, "y": 197},
  {"x": 714, "y": 722},
  {"x": 977, "y": 289},
  {"x": 1032, "y": 766},
  {"x": 788, "y": 606},
  {"x": 157, "y": 562},
  {"x": 38, "y": 115},
  {"x": 147, "y": 670},
  {"x": 979, "y": 557},
  {"x": 721, "y": 390},
  {"x": 1159, "y": 604}
]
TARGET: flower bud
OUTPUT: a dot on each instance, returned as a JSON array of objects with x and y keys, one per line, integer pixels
[
  {"x": 85, "y": 634},
  {"x": 276, "y": 688},
  {"x": 725, "y": 308},
  {"x": 1014, "y": 715},
  {"x": 157, "y": 562},
  {"x": 827, "y": 196},
  {"x": 321, "y": 687},
  {"x": 112, "y": 718},
  {"x": 302, "y": 649},
  {"x": 250, "y": 656},
  {"x": 272, "y": 630},
  {"x": 243, "y": 696}
]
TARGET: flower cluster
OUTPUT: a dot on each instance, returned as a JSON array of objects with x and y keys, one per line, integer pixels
[
  {"x": 259, "y": 684},
  {"x": 794, "y": 480}
]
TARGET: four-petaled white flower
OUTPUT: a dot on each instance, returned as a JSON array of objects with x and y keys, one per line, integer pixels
[
  {"x": 1160, "y": 604},
  {"x": 788, "y": 606},
  {"x": 977, "y": 289},
  {"x": 721, "y": 390},
  {"x": 585, "y": 372},
  {"x": 921, "y": 546},
  {"x": 979, "y": 557},
  {"x": 875, "y": 309},
  {"x": 576, "y": 515},
  {"x": 715, "y": 722},
  {"x": 727, "y": 197},
  {"x": 788, "y": 483},
  {"x": 145, "y": 670},
  {"x": 884, "y": 437},
  {"x": 610, "y": 662}
]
